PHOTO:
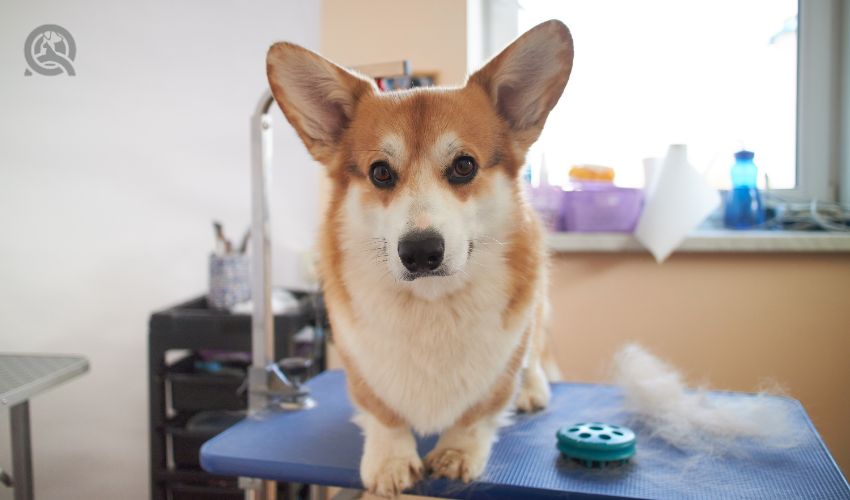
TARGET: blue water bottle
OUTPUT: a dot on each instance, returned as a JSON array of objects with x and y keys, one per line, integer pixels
[{"x": 744, "y": 208}]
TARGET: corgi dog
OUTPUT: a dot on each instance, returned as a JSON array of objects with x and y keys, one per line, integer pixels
[{"x": 432, "y": 261}]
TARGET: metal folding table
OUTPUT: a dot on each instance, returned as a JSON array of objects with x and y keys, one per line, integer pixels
[{"x": 22, "y": 376}]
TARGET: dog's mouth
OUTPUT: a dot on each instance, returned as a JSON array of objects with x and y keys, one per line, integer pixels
[{"x": 408, "y": 276}]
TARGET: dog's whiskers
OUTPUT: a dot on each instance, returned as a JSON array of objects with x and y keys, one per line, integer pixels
[{"x": 487, "y": 239}]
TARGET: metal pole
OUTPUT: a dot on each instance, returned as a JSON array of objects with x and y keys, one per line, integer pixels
[
  {"x": 21, "y": 451},
  {"x": 262, "y": 320}
]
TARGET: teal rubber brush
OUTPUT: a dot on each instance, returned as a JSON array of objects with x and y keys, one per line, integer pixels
[{"x": 596, "y": 444}]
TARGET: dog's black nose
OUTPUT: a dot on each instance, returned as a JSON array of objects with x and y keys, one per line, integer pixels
[{"x": 421, "y": 251}]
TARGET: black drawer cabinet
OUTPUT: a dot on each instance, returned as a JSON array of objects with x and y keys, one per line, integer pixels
[{"x": 183, "y": 384}]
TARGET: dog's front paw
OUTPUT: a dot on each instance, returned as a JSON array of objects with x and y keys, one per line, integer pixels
[
  {"x": 455, "y": 464},
  {"x": 534, "y": 392},
  {"x": 532, "y": 399},
  {"x": 391, "y": 476}
]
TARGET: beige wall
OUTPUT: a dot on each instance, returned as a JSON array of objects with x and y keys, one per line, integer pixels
[
  {"x": 730, "y": 320},
  {"x": 431, "y": 34}
]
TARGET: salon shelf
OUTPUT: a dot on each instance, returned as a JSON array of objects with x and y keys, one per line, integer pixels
[
  {"x": 179, "y": 389},
  {"x": 709, "y": 241},
  {"x": 195, "y": 318}
]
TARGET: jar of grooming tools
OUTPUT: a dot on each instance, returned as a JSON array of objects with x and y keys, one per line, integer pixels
[{"x": 229, "y": 272}]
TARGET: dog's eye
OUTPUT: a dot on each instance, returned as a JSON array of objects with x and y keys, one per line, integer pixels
[
  {"x": 463, "y": 169},
  {"x": 382, "y": 175}
]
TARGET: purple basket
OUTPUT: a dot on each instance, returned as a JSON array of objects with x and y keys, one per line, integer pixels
[
  {"x": 547, "y": 202},
  {"x": 600, "y": 207}
]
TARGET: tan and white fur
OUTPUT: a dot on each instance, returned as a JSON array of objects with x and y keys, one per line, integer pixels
[{"x": 446, "y": 349}]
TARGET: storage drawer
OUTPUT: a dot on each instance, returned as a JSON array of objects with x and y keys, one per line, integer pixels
[
  {"x": 188, "y": 437},
  {"x": 198, "y": 392},
  {"x": 186, "y": 446}
]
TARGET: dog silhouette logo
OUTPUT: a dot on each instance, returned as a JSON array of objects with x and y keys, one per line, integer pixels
[{"x": 50, "y": 50}]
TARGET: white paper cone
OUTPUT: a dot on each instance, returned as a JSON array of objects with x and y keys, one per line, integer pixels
[
  {"x": 651, "y": 168},
  {"x": 680, "y": 199}
]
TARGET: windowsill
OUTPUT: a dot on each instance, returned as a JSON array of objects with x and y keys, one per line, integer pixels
[{"x": 708, "y": 241}]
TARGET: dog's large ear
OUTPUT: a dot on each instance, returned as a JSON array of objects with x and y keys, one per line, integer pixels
[
  {"x": 526, "y": 79},
  {"x": 317, "y": 96}
]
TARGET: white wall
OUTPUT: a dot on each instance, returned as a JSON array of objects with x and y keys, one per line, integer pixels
[{"x": 108, "y": 183}]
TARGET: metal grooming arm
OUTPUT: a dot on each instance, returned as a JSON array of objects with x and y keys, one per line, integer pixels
[
  {"x": 262, "y": 322},
  {"x": 268, "y": 383}
]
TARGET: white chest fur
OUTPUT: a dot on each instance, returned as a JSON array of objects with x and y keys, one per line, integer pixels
[{"x": 429, "y": 360}]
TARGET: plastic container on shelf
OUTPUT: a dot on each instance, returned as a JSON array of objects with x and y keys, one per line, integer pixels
[
  {"x": 592, "y": 207},
  {"x": 743, "y": 208},
  {"x": 547, "y": 201},
  {"x": 545, "y": 198},
  {"x": 591, "y": 203}
]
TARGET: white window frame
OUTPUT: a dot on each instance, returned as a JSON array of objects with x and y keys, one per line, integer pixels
[
  {"x": 819, "y": 37},
  {"x": 823, "y": 87},
  {"x": 843, "y": 133}
]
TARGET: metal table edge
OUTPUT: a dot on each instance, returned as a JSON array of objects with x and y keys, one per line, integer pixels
[{"x": 25, "y": 392}]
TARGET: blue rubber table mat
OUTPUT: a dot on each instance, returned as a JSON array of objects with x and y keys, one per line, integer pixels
[{"x": 322, "y": 446}]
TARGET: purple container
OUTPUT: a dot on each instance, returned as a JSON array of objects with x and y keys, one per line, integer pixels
[
  {"x": 596, "y": 207},
  {"x": 547, "y": 201}
]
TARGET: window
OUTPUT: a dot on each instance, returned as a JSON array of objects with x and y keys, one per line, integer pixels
[{"x": 719, "y": 76}]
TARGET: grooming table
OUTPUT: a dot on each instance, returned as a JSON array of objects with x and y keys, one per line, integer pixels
[
  {"x": 21, "y": 378},
  {"x": 321, "y": 446}
]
